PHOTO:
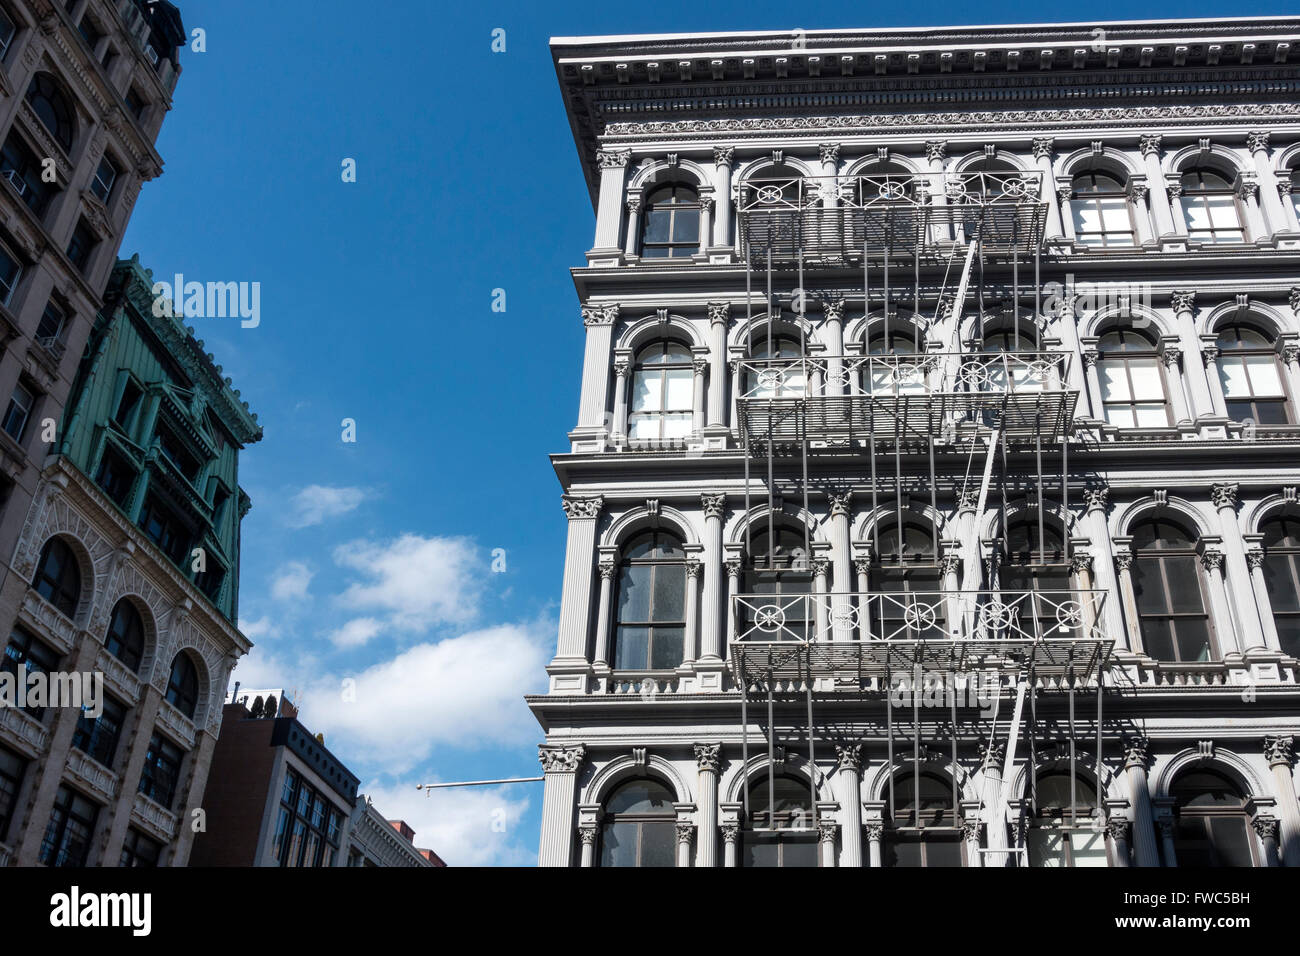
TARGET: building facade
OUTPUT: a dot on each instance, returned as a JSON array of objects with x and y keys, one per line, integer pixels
[
  {"x": 377, "y": 841},
  {"x": 127, "y": 567},
  {"x": 933, "y": 495}
]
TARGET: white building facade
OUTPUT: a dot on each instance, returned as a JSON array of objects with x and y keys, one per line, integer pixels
[{"x": 933, "y": 495}]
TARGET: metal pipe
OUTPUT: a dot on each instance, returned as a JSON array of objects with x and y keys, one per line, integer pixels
[{"x": 478, "y": 783}]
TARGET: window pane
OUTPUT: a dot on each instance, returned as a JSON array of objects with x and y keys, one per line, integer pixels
[
  {"x": 618, "y": 845},
  {"x": 647, "y": 391},
  {"x": 686, "y": 226},
  {"x": 1184, "y": 585},
  {"x": 942, "y": 852},
  {"x": 1088, "y": 849},
  {"x": 634, "y": 593},
  {"x": 1231, "y": 841},
  {"x": 657, "y": 225},
  {"x": 658, "y": 844},
  {"x": 1278, "y": 570},
  {"x": 667, "y": 649},
  {"x": 1193, "y": 640},
  {"x": 1121, "y": 416},
  {"x": 670, "y": 593},
  {"x": 632, "y": 648},
  {"x": 1232, "y": 373},
  {"x": 677, "y": 426},
  {"x": 1158, "y": 639},
  {"x": 1046, "y": 847},
  {"x": 643, "y": 427},
  {"x": 1147, "y": 384},
  {"x": 1263, "y": 375},
  {"x": 1151, "y": 415},
  {"x": 679, "y": 390},
  {"x": 1114, "y": 383}
]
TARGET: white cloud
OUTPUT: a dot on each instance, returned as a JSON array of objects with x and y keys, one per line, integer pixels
[
  {"x": 419, "y": 581},
  {"x": 356, "y": 632},
  {"x": 315, "y": 503},
  {"x": 259, "y": 629},
  {"x": 475, "y": 826},
  {"x": 291, "y": 582},
  {"x": 466, "y": 692}
]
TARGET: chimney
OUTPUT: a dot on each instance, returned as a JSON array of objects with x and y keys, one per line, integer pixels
[{"x": 404, "y": 829}]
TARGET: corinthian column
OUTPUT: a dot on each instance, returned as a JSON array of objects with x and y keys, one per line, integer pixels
[
  {"x": 1224, "y": 496},
  {"x": 711, "y": 617},
  {"x": 849, "y": 769},
  {"x": 1158, "y": 197},
  {"x": 991, "y": 758},
  {"x": 560, "y": 774},
  {"x": 1255, "y": 561},
  {"x": 708, "y": 760},
  {"x": 588, "y": 833},
  {"x": 1136, "y": 760},
  {"x": 592, "y": 406},
  {"x": 1043, "y": 147},
  {"x": 833, "y": 329},
  {"x": 841, "y": 566},
  {"x": 609, "y": 210},
  {"x": 719, "y": 316},
  {"x": 1280, "y": 753},
  {"x": 1274, "y": 214},
  {"x": 1097, "y": 500},
  {"x": 722, "y": 156},
  {"x": 575, "y": 601}
]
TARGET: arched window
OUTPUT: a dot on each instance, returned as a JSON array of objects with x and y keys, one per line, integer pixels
[
  {"x": 1282, "y": 577},
  {"x": 1213, "y": 827},
  {"x": 777, "y": 186},
  {"x": 990, "y": 179},
  {"x": 1167, "y": 586},
  {"x": 51, "y": 105},
  {"x": 662, "y": 392},
  {"x": 1004, "y": 336},
  {"x": 651, "y": 604},
  {"x": 922, "y": 824},
  {"x": 639, "y": 826},
  {"x": 125, "y": 638},
  {"x": 1131, "y": 379},
  {"x": 777, "y": 563},
  {"x": 1295, "y": 191},
  {"x": 671, "y": 227},
  {"x": 1251, "y": 373},
  {"x": 1100, "y": 208},
  {"x": 779, "y": 833},
  {"x": 894, "y": 340},
  {"x": 1210, "y": 207},
  {"x": 892, "y": 368},
  {"x": 906, "y": 583},
  {"x": 1058, "y": 837},
  {"x": 183, "y": 685},
  {"x": 58, "y": 576},
  {"x": 885, "y": 184},
  {"x": 775, "y": 371},
  {"x": 1031, "y": 563}
]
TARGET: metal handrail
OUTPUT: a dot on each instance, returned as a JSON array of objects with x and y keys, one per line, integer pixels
[{"x": 890, "y": 190}]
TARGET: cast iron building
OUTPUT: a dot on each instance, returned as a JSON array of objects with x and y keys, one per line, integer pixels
[
  {"x": 933, "y": 494},
  {"x": 128, "y": 561}
]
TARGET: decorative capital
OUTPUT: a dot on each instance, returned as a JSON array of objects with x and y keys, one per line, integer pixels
[
  {"x": 1149, "y": 144},
  {"x": 830, "y": 152},
  {"x": 1183, "y": 301},
  {"x": 862, "y": 565},
  {"x": 840, "y": 504},
  {"x": 1173, "y": 189},
  {"x": 1265, "y": 826},
  {"x": 850, "y": 758},
  {"x": 612, "y": 158},
  {"x": 1117, "y": 827},
  {"x": 950, "y": 562},
  {"x": 1255, "y": 142},
  {"x": 577, "y": 508},
  {"x": 685, "y": 833},
  {"x": 1080, "y": 561},
  {"x": 719, "y": 312},
  {"x": 968, "y": 500},
  {"x": 723, "y": 155},
  {"x": 875, "y": 831},
  {"x": 730, "y": 833},
  {"x": 1043, "y": 147},
  {"x": 1209, "y": 354},
  {"x": 1064, "y": 192},
  {"x": 1123, "y": 560},
  {"x": 1212, "y": 559},
  {"x": 561, "y": 759},
  {"x": 694, "y": 569},
  {"x": 1291, "y": 353},
  {"x": 588, "y": 833},
  {"x": 622, "y": 367},
  {"x": 633, "y": 204},
  {"x": 1224, "y": 494},
  {"x": 1294, "y": 299},
  {"x": 833, "y": 307},
  {"x": 1097, "y": 497},
  {"x": 599, "y": 315},
  {"x": 1279, "y": 751},
  {"x": 607, "y": 569},
  {"x": 935, "y": 149},
  {"x": 733, "y": 567},
  {"x": 1255, "y": 558},
  {"x": 1169, "y": 356},
  {"x": 714, "y": 505},
  {"x": 992, "y": 755},
  {"x": 700, "y": 365},
  {"x": 1138, "y": 190},
  {"x": 820, "y": 566},
  {"x": 970, "y": 828},
  {"x": 1137, "y": 752},
  {"x": 1091, "y": 357},
  {"x": 826, "y": 830},
  {"x": 1247, "y": 187},
  {"x": 708, "y": 757}
]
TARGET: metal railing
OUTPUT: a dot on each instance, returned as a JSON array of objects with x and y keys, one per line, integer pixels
[
  {"x": 908, "y": 374},
  {"x": 999, "y": 615},
  {"x": 890, "y": 192}
]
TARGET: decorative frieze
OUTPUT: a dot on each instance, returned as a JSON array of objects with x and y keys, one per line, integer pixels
[{"x": 582, "y": 508}]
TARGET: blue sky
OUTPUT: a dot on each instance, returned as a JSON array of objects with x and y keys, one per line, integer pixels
[{"x": 372, "y": 561}]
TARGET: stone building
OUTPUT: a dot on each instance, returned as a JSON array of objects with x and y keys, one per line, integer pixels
[
  {"x": 127, "y": 566},
  {"x": 932, "y": 499}
]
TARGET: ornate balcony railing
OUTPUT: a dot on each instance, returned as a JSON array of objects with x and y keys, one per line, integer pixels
[
  {"x": 837, "y": 218},
  {"x": 807, "y": 634},
  {"x": 846, "y": 397}
]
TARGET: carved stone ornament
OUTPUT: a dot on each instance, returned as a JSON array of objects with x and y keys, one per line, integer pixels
[
  {"x": 588, "y": 834},
  {"x": 1097, "y": 497},
  {"x": 708, "y": 757},
  {"x": 1183, "y": 301},
  {"x": 1137, "y": 752},
  {"x": 723, "y": 155},
  {"x": 612, "y": 158},
  {"x": 685, "y": 833},
  {"x": 561, "y": 759},
  {"x": 1279, "y": 751},
  {"x": 714, "y": 505},
  {"x": 1224, "y": 494},
  {"x": 576, "y": 507},
  {"x": 850, "y": 757}
]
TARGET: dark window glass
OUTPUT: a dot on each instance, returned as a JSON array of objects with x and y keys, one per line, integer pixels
[
  {"x": 1212, "y": 822},
  {"x": 139, "y": 850},
  {"x": 179, "y": 455},
  {"x": 53, "y": 108},
  {"x": 135, "y": 104},
  {"x": 89, "y": 32},
  {"x": 21, "y": 167},
  {"x": 924, "y": 833},
  {"x": 81, "y": 246},
  {"x": 183, "y": 685},
  {"x": 639, "y": 826},
  {"x": 651, "y": 604},
  {"x": 127, "y": 405},
  {"x": 18, "y": 412},
  {"x": 1282, "y": 577},
  {"x": 50, "y": 329},
  {"x": 125, "y": 638},
  {"x": 307, "y": 829},
  {"x": 671, "y": 225},
  {"x": 12, "y": 768},
  {"x": 164, "y": 529},
  {"x": 162, "y": 771},
  {"x": 10, "y": 272},
  {"x": 1167, "y": 584},
  {"x": 1250, "y": 372},
  {"x": 58, "y": 576},
  {"x": 777, "y": 579},
  {"x": 98, "y": 738},
  {"x": 906, "y": 582},
  {"x": 68, "y": 834},
  {"x": 116, "y": 477},
  {"x": 7, "y": 31},
  {"x": 105, "y": 176},
  {"x": 25, "y": 651},
  {"x": 779, "y": 830}
]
